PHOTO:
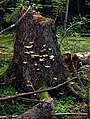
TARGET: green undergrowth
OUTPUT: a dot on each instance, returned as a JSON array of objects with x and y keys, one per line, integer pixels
[
  {"x": 12, "y": 107},
  {"x": 64, "y": 103},
  {"x": 68, "y": 104},
  {"x": 6, "y": 50},
  {"x": 7, "y": 91},
  {"x": 73, "y": 42}
]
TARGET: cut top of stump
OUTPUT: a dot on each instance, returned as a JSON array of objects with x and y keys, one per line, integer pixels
[{"x": 41, "y": 19}]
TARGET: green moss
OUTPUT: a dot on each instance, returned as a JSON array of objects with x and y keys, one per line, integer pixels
[{"x": 43, "y": 95}]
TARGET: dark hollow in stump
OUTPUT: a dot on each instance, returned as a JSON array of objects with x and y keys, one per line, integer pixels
[{"x": 37, "y": 57}]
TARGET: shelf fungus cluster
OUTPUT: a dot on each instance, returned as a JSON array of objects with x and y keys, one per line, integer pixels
[{"x": 42, "y": 56}]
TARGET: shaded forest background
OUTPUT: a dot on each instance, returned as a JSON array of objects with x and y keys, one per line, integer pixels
[{"x": 77, "y": 10}]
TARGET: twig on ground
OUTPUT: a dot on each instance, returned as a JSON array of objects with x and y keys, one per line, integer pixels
[
  {"x": 35, "y": 92},
  {"x": 70, "y": 114},
  {"x": 6, "y": 117}
]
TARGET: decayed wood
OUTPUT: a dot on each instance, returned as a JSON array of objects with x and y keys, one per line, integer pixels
[
  {"x": 36, "y": 53},
  {"x": 40, "y": 111}
]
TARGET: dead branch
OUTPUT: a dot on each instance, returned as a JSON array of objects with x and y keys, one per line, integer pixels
[
  {"x": 17, "y": 21},
  {"x": 2, "y": 2},
  {"x": 7, "y": 117},
  {"x": 70, "y": 114},
  {"x": 35, "y": 92}
]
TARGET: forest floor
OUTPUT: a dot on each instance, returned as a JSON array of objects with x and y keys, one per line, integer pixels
[{"x": 76, "y": 43}]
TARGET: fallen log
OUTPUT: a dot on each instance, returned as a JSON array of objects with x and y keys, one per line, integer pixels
[{"x": 40, "y": 111}]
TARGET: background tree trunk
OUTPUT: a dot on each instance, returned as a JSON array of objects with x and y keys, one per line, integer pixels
[{"x": 37, "y": 58}]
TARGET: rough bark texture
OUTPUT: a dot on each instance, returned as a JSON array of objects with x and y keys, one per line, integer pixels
[
  {"x": 40, "y": 111},
  {"x": 37, "y": 57}
]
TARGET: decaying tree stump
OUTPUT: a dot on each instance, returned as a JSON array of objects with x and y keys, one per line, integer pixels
[{"x": 37, "y": 58}]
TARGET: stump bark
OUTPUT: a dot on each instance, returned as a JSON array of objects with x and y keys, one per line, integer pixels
[{"x": 37, "y": 57}]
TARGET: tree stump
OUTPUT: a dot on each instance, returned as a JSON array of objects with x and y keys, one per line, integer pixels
[{"x": 37, "y": 57}]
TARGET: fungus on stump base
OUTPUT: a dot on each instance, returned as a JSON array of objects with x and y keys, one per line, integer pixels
[{"x": 37, "y": 57}]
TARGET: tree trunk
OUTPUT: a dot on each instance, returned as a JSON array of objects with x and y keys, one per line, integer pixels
[{"x": 37, "y": 58}]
